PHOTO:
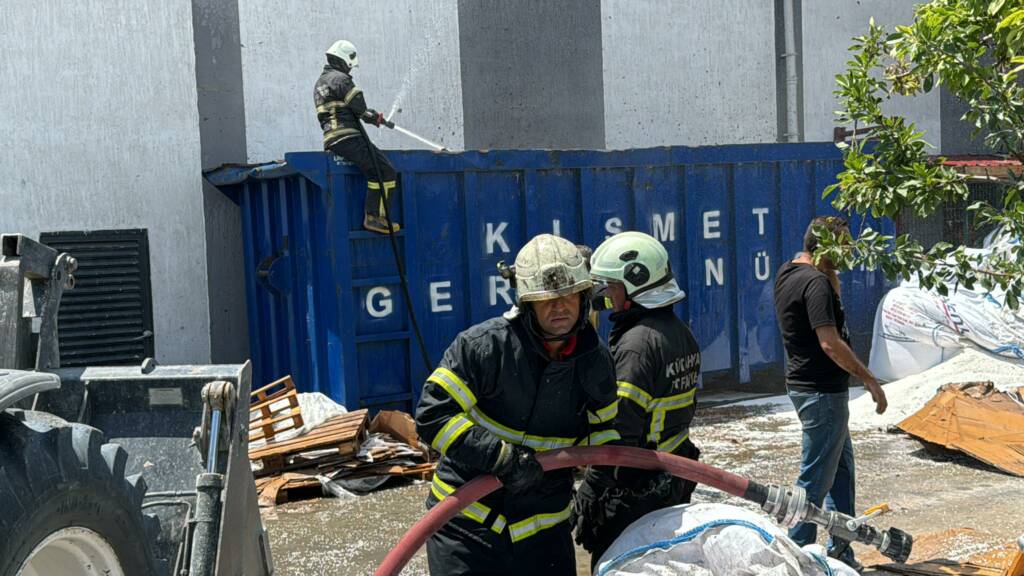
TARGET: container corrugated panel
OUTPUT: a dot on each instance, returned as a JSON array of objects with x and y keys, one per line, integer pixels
[{"x": 324, "y": 298}]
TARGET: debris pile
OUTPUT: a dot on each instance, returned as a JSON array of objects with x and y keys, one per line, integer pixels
[
  {"x": 330, "y": 451},
  {"x": 975, "y": 419}
]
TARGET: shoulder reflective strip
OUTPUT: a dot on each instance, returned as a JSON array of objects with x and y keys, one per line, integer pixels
[
  {"x": 534, "y": 524},
  {"x": 674, "y": 442},
  {"x": 608, "y": 304},
  {"x": 475, "y": 511},
  {"x": 373, "y": 185},
  {"x": 604, "y": 414},
  {"x": 538, "y": 443},
  {"x": 352, "y": 94},
  {"x": 674, "y": 402},
  {"x": 602, "y": 437},
  {"x": 634, "y": 393},
  {"x": 455, "y": 387},
  {"x": 390, "y": 184},
  {"x": 452, "y": 430}
]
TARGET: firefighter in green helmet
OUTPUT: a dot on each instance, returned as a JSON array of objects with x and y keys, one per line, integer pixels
[{"x": 657, "y": 367}]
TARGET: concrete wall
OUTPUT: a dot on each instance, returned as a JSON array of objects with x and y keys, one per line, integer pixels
[
  {"x": 222, "y": 133},
  {"x": 531, "y": 74},
  {"x": 828, "y": 27},
  {"x": 408, "y": 54},
  {"x": 101, "y": 131},
  {"x": 688, "y": 73}
]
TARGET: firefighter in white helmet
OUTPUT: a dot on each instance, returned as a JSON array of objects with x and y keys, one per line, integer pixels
[
  {"x": 339, "y": 108},
  {"x": 536, "y": 378},
  {"x": 657, "y": 367}
]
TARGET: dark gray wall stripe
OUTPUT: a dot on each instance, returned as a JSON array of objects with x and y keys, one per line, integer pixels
[
  {"x": 216, "y": 35},
  {"x": 532, "y": 74},
  {"x": 956, "y": 134}
]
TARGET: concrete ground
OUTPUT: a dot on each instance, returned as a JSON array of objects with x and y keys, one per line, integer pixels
[{"x": 954, "y": 507}]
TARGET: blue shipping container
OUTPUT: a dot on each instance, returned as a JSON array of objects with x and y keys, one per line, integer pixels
[{"x": 324, "y": 299}]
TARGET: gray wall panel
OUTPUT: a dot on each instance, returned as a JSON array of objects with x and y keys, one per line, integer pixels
[
  {"x": 531, "y": 73},
  {"x": 689, "y": 73},
  {"x": 102, "y": 132},
  {"x": 828, "y": 27}
]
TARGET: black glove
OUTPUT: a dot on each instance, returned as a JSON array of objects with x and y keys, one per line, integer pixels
[
  {"x": 517, "y": 468},
  {"x": 590, "y": 506}
]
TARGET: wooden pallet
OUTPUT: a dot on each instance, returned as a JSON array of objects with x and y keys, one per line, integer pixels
[
  {"x": 344, "y": 433},
  {"x": 286, "y": 488},
  {"x": 265, "y": 420}
]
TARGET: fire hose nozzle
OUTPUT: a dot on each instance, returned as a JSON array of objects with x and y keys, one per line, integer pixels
[{"x": 789, "y": 506}]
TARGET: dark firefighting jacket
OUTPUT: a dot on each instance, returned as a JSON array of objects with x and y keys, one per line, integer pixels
[
  {"x": 339, "y": 106},
  {"x": 657, "y": 365},
  {"x": 496, "y": 383}
]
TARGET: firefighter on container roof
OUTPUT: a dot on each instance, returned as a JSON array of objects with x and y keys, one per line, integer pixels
[
  {"x": 339, "y": 108},
  {"x": 534, "y": 379}
]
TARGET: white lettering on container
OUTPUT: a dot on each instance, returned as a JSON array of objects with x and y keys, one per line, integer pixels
[
  {"x": 664, "y": 227},
  {"x": 440, "y": 301},
  {"x": 381, "y": 307},
  {"x": 760, "y": 213},
  {"x": 503, "y": 289},
  {"x": 714, "y": 268},
  {"x": 494, "y": 237},
  {"x": 711, "y": 224}
]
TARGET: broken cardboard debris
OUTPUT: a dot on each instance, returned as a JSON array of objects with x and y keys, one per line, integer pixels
[
  {"x": 976, "y": 419},
  {"x": 398, "y": 425}
]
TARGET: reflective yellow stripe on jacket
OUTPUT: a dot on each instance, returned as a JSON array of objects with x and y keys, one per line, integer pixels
[
  {"x": 606, "y": 414},
  {"x": 525, "y": 528},
  {"x": 538, "y": 443},
  {"x": 661, "y": 406},
  {"x": 454, "y": 386},
  {"x": 636, "y": 394},
  {"x": 674, "y": 442},
  {"x": 602, "y": 437},
  {"x": 452, "y": 430},
  {"x": 475, "y": 511}
]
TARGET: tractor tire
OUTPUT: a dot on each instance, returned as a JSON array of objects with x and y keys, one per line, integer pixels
[{"x": 66, "y": 506}]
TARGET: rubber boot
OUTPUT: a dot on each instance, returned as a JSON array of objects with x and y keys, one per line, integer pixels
[{"x": 378, "y": 224}]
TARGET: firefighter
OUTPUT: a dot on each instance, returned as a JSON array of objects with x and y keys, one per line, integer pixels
[
  {"x": 536, "y": 378},
  {"x": 657, "y": 367},
  {"x": 339, "y": 108}
]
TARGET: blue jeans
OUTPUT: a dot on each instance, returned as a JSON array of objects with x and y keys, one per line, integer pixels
[{"x": 826, "y": 466}]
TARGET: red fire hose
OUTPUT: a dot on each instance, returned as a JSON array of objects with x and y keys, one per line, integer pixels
[{"x": 567, "y": 458}]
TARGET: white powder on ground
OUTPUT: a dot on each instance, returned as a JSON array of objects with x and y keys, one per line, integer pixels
[
  {"x": 906, "y": 396},
  {"x": 910, "y": 394}
]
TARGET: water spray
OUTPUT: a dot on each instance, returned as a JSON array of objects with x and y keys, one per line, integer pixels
[{"x": 387, "y": 123}]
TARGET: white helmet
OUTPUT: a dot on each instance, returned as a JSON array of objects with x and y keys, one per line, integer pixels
[
  {"x": 549, "y": 267},
  {"x": 346, "y": 52}
]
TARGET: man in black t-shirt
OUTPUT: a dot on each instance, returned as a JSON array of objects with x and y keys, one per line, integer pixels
[{"x": 819, "y": 363}]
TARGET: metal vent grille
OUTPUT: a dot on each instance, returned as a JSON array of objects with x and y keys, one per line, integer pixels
[{"x": 107, "y": 319}]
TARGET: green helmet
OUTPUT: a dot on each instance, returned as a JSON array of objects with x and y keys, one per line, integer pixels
[
  {"x": 549, "y": 267},
  {"x": 633, "y": 258}
]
